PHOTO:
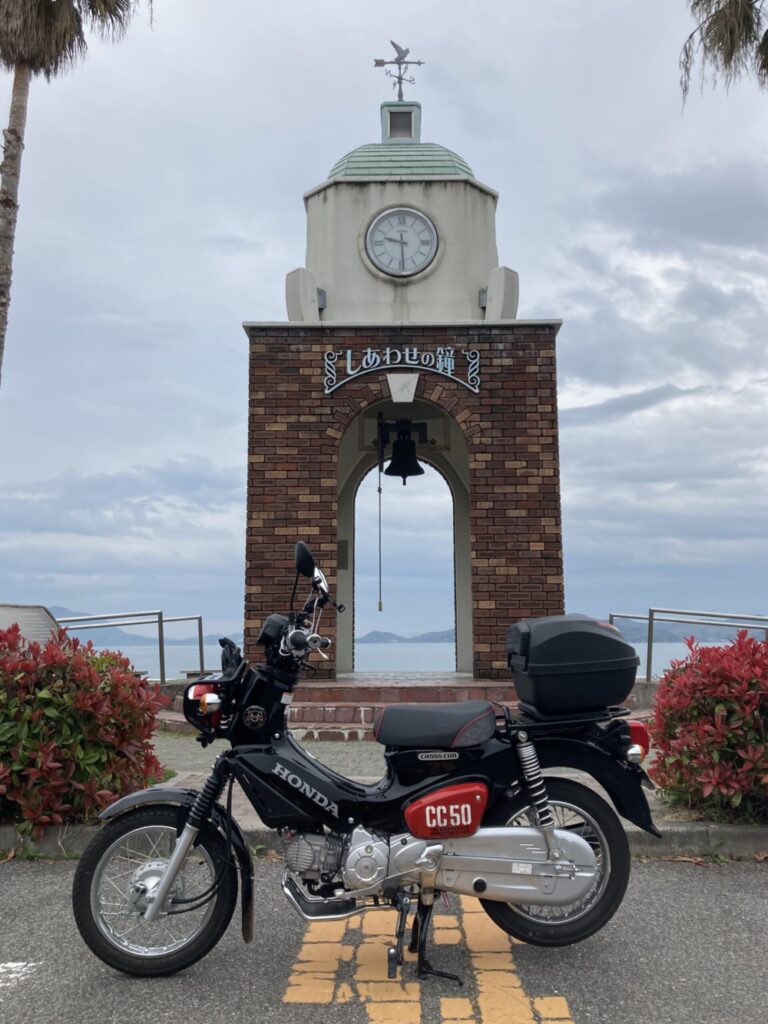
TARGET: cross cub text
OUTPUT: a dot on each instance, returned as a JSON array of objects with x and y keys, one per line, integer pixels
[{"x": 462, "y": 808}]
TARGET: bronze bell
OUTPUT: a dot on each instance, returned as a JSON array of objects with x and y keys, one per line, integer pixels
[{"x": 404, "y": 462}]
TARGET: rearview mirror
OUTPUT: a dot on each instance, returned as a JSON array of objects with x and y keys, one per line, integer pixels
[
  {"x": 305, "y": 563},
  {"x": 320, "y": 581}
]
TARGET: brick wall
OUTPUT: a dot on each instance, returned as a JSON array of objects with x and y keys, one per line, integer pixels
[{"x": 511, "y": 431}]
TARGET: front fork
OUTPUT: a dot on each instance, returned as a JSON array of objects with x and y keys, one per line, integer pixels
[
  {"x": 199, "y": 813},
  {"x": 537, "y": 790}
]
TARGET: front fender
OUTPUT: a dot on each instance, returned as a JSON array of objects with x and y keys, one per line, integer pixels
[
  {"x": 622, "y": 782},
  {"x": 153, "y": 795},
  {"x": 184, "y": 797}
]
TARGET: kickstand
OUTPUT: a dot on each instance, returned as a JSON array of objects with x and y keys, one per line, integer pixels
[
  {"x": 418, "y": 944},
  {"x": 395, "y": 953}
]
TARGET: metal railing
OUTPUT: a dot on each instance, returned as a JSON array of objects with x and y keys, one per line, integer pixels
[
  {"x": 152, "y": 618},
  {"x": 690, "y": 618}
]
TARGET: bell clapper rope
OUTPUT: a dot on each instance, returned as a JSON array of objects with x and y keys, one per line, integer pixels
[{"x": 381, "y": 606}]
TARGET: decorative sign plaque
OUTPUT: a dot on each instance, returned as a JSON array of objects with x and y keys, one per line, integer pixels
[{"x": 406, "y": 357}]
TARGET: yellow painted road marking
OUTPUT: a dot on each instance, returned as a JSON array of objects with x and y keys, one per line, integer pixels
[{"x": 346, "y": 962}]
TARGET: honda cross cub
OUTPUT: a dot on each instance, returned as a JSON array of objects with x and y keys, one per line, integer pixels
[{"x": 462, "y": 808}]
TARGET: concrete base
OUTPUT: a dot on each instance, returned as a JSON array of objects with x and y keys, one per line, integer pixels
[{"x": 644, "y": 693}]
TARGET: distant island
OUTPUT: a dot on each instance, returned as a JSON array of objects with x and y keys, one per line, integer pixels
[
  {"x": 633, "y": 631},
  {"x": 636, "y": 631},
  {"x": 115, "y": 637},
  {"x": 445, "y": 636}
]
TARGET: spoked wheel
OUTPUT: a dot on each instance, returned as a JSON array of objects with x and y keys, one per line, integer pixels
[
  {"x": 576, "y": 809},
  {"x": 119, "y": 870}
]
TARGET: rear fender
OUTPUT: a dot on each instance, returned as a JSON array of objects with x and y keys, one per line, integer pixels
[
  {"x": 623, "y": 782},
  {"x": 184, "y": 798}
]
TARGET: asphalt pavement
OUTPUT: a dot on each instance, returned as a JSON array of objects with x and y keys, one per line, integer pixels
[{"x": 686, "y": 947}]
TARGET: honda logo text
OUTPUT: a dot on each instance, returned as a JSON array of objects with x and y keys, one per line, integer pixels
[{"x": 306, "y": 789}]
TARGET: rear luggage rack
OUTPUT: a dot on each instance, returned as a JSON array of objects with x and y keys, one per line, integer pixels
[{"x": 531, "y": 719}]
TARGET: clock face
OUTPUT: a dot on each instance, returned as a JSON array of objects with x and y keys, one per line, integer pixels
[{"x": 401, "y": 242}]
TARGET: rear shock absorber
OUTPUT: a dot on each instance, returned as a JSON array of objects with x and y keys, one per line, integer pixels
[{"x": 529, "y": 761}]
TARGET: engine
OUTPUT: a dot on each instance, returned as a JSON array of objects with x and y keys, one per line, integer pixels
[
  {"x": 366, "y": 860},
  {"x": 313, "y": 856},
  {"x": 362, "y": 858}
]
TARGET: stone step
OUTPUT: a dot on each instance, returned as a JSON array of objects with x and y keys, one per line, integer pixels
[
  {"x": 330, "y": 732},
  {"x": 342, "y": 713},
  {"x": 333, "y": 693},
  {"x": 407, "y": 691}
]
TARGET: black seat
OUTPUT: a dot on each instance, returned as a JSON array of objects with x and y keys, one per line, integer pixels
[{"x": 463, "y": 724}]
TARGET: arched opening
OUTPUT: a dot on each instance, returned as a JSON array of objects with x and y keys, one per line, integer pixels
[
  {"x": 445, "y": 452},
  {"x": 412, "y": 628}
]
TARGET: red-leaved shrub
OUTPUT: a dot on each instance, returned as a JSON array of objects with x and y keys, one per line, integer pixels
[
  {"x": 75, "y": 730},
  {"x": 710, "y": 728}
]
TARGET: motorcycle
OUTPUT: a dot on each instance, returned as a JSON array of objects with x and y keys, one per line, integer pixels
[{"x": 464, "y": 806}]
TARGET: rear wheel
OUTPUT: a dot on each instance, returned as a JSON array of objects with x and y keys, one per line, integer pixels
[
  {"x": 576, "y": 809},
  {"x": 122, "y": 865}
]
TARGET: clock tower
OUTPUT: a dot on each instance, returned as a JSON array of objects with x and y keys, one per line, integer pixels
[
  {"x": 403, "y": 322},
  {"x": 401, "y": 231}
]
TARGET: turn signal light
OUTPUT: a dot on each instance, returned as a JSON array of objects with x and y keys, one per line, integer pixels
[
  {"x": 638, "y": 735},
  {"x": 209, "y": 703}
]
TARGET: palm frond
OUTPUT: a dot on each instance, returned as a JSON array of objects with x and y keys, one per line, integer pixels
[
  {"x": 761, "y": 61},
  {"x": 726, "y": 39},
  {"x": 108, "y": 18},
  {"x": 49, "y": 35}
]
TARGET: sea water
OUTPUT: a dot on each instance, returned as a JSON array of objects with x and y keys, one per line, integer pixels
[{"x": 368, "y": 658}]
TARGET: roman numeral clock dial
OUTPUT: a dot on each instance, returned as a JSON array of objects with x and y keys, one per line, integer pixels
[{"x": 401, "y": 242}]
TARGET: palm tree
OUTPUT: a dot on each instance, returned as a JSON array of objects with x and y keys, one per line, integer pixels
[
  {"x": 731, "y": 37},
  {"x": 40, "y": 37}
]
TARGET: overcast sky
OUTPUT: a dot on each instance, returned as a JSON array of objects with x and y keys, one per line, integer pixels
[{"x": 161, "y": 207}]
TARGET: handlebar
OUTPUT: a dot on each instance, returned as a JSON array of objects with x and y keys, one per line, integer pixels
[{"x": 298, "y": 641}]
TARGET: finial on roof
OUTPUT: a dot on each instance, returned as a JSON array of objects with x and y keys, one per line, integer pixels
[{"x": 402, "y": 64}]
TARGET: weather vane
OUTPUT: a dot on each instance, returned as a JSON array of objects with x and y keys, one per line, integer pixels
[{"x": 402, "y": 64}]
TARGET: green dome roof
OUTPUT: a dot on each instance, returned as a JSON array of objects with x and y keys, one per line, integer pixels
[{"x": 401, "y": 160}]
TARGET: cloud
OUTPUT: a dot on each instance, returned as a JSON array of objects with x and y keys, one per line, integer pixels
[
  {"x": 621, "y": 406},
  {"x": 677, "y": 491},
  {"x": 723, "y": 204},
  {"x": 169, "y": 533}
]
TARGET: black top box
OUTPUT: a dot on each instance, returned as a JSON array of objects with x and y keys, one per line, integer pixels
[{"x": 564, "y": 664}]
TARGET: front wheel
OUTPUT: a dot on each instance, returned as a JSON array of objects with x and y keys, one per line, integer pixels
[
  {"x": 576, "y": 809},
  {"x": 122, "y": 865}
]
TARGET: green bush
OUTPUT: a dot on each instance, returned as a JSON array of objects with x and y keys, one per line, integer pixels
[
  {"x": 710, "y": 729},
  {"x": 75, "y": 730}
]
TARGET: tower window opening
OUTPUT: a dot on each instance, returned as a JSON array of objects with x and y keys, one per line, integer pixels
[{"x": 401, "y": 124}]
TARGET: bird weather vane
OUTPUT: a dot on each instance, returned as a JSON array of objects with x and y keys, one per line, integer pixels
[{"x": 402, "y": 64}]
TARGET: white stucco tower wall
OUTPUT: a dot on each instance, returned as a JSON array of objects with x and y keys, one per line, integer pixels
[{"x": 462, "y": 281}]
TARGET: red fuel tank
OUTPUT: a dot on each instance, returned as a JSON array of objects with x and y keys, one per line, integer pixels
[{"x": 448, "y": 813}]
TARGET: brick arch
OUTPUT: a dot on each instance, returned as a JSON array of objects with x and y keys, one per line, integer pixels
[{"x": 430, "y": 389}]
